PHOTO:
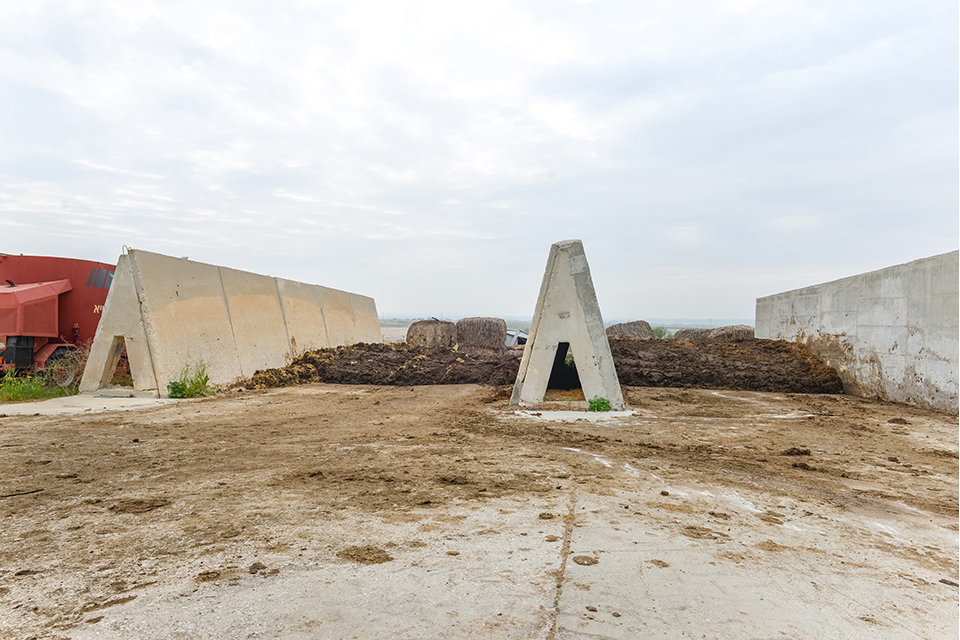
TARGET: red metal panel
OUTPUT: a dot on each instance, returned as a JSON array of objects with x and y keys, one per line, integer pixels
[
  {"x": 8, "y": 319},
  {"x": 77, "y": 309},
  {"x": 34, "y": 306},
  {"x": 40, "y": 355},
  {"x": 40, "y": 318}
]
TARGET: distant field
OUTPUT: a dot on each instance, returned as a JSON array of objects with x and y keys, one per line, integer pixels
[
  {"x": 393, "y": 334},
  {"x": 395, "y": 329}
]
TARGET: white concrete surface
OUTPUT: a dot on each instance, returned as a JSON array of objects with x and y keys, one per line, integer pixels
[
  {"x": 601, "y": 566},
  {"x": 499, "y": 583},
  {"x": 366, "y": 321},
  {"x": 172, "y": 312},
  {"x": 349, "y": 317},
  {"x": 574, "y": 416},
  {"x": 256, "y": 317},
  {"x": 185, "y": 314},
  {"x": 891, "y": 333},
  {"x": 567, "y": 311},
  {"x": 305, "y": 318},
  {"x": 720, "y": 581},
  {"x": 109, "y": 400}
]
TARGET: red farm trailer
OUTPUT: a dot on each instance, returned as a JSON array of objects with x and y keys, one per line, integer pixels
[{"x": 48, "y": 307}]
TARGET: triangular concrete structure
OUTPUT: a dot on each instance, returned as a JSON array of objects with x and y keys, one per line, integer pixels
[{"x": 567, "y": 312}]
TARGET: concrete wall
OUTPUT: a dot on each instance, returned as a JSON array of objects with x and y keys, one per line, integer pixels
[
  {"x": 171, "y": 312},
  {"x": 890, "y": 333}
]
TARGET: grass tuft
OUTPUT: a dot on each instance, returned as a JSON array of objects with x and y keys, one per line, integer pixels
[
  {"x": 193, "y": 382},
  {"x": 28, "y": 386},
  {"x": 599, "y": 404}
]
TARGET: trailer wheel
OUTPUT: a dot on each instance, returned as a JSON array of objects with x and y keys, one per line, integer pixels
[{"x": 62, "y": 366}]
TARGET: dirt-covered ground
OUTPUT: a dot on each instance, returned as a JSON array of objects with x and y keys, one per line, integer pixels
[
  {"x": 749, "y": 365},
  {"x": 98, "y": 510}
]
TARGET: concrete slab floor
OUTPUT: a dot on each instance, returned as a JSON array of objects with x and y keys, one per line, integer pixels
[
  {"x": 493, "y": 575},
  {"x": 105, "y": 400},
  {"x": 627, "y": 577},
  {"x": 573, "y": 567},
  {"x": 573, "y": 416}
]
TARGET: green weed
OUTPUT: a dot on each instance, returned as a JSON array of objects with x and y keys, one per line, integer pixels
[
  {"x": 14, "y": 388},
  {"x": 662, "y": 333},
  {"x": 599, "y": 404},
  {"x": 192, "y": 383}
]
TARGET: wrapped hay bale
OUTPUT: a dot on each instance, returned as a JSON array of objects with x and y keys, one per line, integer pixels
[
  {"x": 482, "y": 336},
  {"x": 692, "y": 334},
  {"x": 432, "y": 333},
  {"x": 636, "y": 329},
  {"x": 731, "y": 332}
]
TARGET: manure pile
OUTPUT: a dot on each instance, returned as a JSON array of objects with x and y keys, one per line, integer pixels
[
  {"x": 391, "y": 364},
  {"x": 749, "y": 365}
]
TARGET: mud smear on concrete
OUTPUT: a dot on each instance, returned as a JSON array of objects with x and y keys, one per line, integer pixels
[
  {"x": 366, "y": 554},
  {"x": 748, "y": 364}
]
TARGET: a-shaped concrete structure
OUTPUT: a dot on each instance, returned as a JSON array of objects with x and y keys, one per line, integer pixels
[
  {"x": 567, "y": 317},
  {"x": 172, "y": 312}
]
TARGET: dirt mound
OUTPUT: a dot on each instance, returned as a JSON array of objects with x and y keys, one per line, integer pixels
[
  {"x": 749, "y": 364},
  {"x": 391, "y": 364},
  {"x": 731, "y": 332},
  {"x": 754, "y": 365}
]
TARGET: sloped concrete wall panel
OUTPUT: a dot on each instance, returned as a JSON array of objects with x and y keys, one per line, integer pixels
[
  {"x": 256, "y": 319},
  {"x": 185, "y": 313},
  {"x": 341, "y": 326},
  {"x": 366, "y": 320},
  {"x": 304, "y": 315}
]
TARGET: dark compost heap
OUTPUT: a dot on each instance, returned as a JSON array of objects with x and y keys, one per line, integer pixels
[{"x": 747, "y": 364}]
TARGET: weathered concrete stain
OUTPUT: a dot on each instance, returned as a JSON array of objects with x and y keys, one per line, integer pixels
[{"x": 835, "y": 351}]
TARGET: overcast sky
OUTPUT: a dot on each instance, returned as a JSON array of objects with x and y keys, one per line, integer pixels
[{"x": 428, "y": 153}]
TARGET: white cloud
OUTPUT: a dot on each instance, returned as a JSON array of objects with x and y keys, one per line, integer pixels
[
  {"x": 685, "y": 235},
  {"x": 797, "y": 223},
  {"x": 426, "y": 152}
]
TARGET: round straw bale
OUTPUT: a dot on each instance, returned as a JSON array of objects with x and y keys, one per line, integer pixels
[
  {"x": 432, "y": 333},
  {"x": 636, "y": 329},
  {"x": 482, "y": 336},
  {"x": 691, "y": 334},
  {"x": 731, "y": 332}
]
